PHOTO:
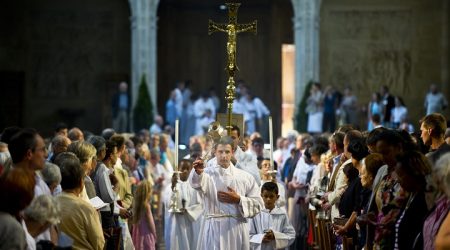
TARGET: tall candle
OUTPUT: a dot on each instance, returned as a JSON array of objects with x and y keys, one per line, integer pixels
[
  {"x": 176, "y": 144},
  {"x": 271, "y": 142}
]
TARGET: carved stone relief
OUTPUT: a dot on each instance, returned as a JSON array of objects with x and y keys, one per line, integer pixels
[{"x": 370, "y": 48}]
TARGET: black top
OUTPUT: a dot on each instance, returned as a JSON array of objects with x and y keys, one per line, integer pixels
[
  {"x": 434, "y": 156},
  {"x": 351, "y": 198},
  {"x": 412, "y": 223}
]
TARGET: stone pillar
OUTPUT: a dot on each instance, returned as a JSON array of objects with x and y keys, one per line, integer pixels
[
  {"x": 143, "y": 48},
  {"x": 306, "y": 37}
]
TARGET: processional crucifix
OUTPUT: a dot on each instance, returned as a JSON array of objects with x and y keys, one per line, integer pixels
[{"x": 232, "y": 28}]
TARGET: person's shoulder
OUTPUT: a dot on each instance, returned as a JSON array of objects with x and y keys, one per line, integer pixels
[
  {"x": 244, "y": 175},
  {"x": 279, "y": 211}
]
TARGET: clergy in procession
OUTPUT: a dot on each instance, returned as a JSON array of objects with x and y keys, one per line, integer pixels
[
  {"x": 241, "y": 159},
  {"x": 230, "y": 196},
  {"x": 271, "y": 228},
  {"x": 183, "y": 226}
]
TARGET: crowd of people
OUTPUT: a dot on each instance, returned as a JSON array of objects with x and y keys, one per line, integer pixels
[
  {"x": 330, "y": 108},
  {"x": 380, "y": 188},
  {"x": 197, "y": 111}
]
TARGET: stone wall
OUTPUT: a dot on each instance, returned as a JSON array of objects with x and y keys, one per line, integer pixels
[
  {"x": 366, "y": 44},
  {"x": 72, "y": 54}
]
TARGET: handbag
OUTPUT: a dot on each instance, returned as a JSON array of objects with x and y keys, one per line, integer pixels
[{"x": 340, "y": 221}]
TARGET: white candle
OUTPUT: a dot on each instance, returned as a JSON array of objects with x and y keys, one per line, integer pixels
[
  {"x": 271, "y": 142},
  {"x": 176, "y": 145}
]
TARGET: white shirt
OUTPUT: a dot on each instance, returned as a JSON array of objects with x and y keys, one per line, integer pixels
[
  {"x": 301, "y": 173},
  {"x": 398, "y": 114}
]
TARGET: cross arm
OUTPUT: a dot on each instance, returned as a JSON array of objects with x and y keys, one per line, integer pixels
[
  {"x": 250, "y": 27},
  {"x": 213, "y": 27}
]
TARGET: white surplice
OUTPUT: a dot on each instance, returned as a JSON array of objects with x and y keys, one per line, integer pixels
[
  {"x": 275, "y": 220},
  {"x": 182, "y": 229},
  {"x": 225, "y": 225}
]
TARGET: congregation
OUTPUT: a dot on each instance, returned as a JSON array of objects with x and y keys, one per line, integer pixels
[{"x": 335, "y": 187}]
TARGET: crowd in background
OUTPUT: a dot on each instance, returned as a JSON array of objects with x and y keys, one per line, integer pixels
[
  {"x": 329, "y": 108},
  {"x": 380, "y": 187}
]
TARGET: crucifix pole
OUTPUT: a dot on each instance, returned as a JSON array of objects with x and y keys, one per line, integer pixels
[{"x": 232, "y": 28}]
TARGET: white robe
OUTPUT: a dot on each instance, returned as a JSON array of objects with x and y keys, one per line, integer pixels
[
  {"x": 182, "y": 230},
  {"x": 225, "y": 225},
  {"x": 275, "y": 220}
]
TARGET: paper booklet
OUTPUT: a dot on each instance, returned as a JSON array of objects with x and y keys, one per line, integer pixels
[{"x": 97, "y": 203}]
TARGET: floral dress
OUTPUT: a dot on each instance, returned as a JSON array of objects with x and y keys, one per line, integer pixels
[{"x": 390, "y": 199}]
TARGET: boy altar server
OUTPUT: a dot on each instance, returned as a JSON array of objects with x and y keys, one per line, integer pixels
[{"x": 271, "y": 228}]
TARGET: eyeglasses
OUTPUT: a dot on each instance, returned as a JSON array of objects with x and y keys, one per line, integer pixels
[{"x": 43, "y": 149}]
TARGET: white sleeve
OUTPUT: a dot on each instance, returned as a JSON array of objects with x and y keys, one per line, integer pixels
[
  {"x": 286, "y": 237},
  {"x": 251, "y": 204},
  {"x": 199, "y": 182},
  {"x": 341, "y": 185},
  {"x": 195, "y": 208},
  {"x": 106, "y": 192}
]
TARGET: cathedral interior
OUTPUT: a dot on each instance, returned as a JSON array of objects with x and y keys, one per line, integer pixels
[{"x": 63, "y": 60}]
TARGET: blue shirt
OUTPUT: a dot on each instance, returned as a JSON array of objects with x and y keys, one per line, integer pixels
[{"x": 123, "y": 101}]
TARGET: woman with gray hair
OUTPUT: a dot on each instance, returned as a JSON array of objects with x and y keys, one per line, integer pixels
[
  {"x": 39, "y": 216},
  {"x": 439, "y": 182},
  {"x": 51, "y": 176}
]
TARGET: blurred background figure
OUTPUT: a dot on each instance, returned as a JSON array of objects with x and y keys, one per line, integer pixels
[{"x": 121, "y": 108}]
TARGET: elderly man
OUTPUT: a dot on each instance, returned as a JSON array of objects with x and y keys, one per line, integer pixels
[
  {"x": 59, "y": 145},
  {"x": 230, "y": 196}
]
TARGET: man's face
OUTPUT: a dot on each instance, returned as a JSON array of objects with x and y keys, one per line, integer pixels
[
  {"x": 114, "y": 156},
  {"x": 332, "y": 146},
  {"x": 299, "y": 142},
  {"x": 265, "y": 167},
  {"x": 234, "y": 135},
  {"x": 223, "y": 155},
  {"x": 315, "y": 159},
  {"x": 389, "y": 152},
  {"x": 425, "y": 134},
  {"x": 346, "y": 142},
  {"x": 258, "y": 148},
  {"x": 269, "y": 198},
  {"x": 185, "y": 169},
  {"x": 154, "y": 159},
  {"x": 38, "y": 153},
  {"x": 163, "y": 144}
]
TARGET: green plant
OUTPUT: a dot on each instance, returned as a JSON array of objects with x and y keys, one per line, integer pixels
[
  {"x": 301, "y": 117},
  {"x": 143, "y": 111}
]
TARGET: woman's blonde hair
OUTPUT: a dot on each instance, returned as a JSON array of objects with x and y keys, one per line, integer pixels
[
  {"x": 141, "y": 198},
  {"x": 83, "y": 150}
]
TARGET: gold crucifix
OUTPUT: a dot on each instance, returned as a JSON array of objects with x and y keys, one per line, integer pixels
[{"x": 232, "y": 28}]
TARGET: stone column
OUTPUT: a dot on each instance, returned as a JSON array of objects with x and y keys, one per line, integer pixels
[
  {"x": 143, "y": 48},
  {"x": 306, "y": 37}
]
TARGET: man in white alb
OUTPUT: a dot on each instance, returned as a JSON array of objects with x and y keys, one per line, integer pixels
[{"x": 230, "y": 196}]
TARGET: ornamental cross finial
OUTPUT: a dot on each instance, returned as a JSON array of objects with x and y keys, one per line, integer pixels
[{"x": 232, "y": 28}]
